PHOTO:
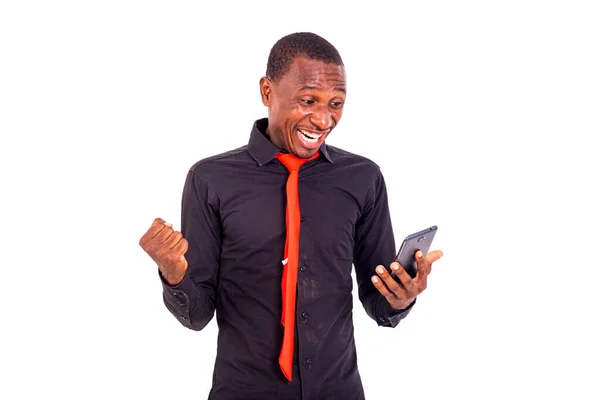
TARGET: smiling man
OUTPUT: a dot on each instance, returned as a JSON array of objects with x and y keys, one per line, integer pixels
[{"x": 270, "y": 232}]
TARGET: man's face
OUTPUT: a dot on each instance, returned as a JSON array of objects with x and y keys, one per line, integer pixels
[{"x": 305, "y": 105}]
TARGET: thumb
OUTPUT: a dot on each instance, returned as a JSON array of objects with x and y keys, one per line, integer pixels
[{"x": 433, "y": 256}]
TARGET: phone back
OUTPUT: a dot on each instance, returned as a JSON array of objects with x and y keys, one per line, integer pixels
[{"x": 417, "y": 241}]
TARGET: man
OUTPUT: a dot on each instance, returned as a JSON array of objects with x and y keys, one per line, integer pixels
[{"x": 278, "y": 275}]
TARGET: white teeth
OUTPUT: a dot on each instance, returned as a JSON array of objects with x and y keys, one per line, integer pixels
[{"x": 308, "y": 136}]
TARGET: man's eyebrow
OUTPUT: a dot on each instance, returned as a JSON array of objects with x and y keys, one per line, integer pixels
[{"x": 339, "y": 89}]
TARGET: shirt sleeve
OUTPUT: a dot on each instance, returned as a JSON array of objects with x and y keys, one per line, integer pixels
[
  {"x": 192, "y": 301},
  {"x": 375, "y": 245}
]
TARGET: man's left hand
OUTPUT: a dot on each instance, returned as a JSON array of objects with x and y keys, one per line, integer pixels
[{"x": 401, "y": 294}]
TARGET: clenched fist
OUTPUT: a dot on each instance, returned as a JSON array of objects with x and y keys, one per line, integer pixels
[{"x": 167, "y": 248}]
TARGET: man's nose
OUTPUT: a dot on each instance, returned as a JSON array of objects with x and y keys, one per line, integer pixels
[{"x": 321, "y": 118}]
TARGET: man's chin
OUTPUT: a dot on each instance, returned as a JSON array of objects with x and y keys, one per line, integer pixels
[{"x": 303, "y": 152}]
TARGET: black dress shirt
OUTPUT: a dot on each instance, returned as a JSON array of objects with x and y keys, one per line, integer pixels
[{"x": 233, "y": 216}]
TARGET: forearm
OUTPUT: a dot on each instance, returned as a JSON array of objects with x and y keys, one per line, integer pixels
[
  {"x": 192, "y": 304},
  {"x": 380, "y": 310},
  {"x": 192, "y": 299},
  {"x": 375, "y": 245}
]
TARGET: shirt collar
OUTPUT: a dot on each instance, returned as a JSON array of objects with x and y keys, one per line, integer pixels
[{"x": 262, "y": 150}]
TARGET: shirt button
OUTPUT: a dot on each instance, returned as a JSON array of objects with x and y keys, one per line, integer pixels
[
  {"x": 183, "y": 317},
  {"x": 308, "y": 361},
  {"x": 302, "y": 268},
  {"x": 301, "y": 218},
  {"x": 305, "y": 315}
]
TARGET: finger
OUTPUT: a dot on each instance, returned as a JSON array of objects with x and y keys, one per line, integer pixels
[
  {"x": 181, "y": 247},
  {"x": 158, "y": 221},
  {"x": 390, "y": 282},
  {"x": 390, "y": 297},
  {"x": 154, "y": 229},
  {"x": 157, "y": 226},
  {"x": 422, "y": 267},
  {"x": 172, "y": 240},
  {"x": 433, "y": 256},
  {"x": 164, "y": 234},
  {"x": 404, "y": 277}
]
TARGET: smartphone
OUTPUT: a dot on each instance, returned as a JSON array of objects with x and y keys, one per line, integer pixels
[{"x": 417, "y": 241}]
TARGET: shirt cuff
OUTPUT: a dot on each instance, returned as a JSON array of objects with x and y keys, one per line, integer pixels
[
  {"x": 176, "y": 296},
  {"x": 391, "y": 317}
]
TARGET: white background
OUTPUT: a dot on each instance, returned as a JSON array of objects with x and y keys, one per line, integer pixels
[{"x": 484, "y": 117}]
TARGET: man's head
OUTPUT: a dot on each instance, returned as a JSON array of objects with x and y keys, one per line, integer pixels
[{"x": 304, "y": 89}]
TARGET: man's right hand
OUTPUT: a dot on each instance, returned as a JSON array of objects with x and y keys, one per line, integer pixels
[{"x": 167, "y": 248}]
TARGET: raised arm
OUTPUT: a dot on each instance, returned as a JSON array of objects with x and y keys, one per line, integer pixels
[
  {"x": 375, "y": 246},
  {"x": 188, "y": 261}
]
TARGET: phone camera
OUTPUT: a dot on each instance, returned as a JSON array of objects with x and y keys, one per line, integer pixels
[{"x": 421, "y": 239}]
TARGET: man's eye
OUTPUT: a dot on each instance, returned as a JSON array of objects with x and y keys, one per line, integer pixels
[
  {"x": 336, "y": 104},
  {"x": 308, "y": 102}
]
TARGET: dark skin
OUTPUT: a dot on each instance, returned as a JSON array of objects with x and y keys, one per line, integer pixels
[
  {"x": 167, "y": 248},
  {"x": 310, "y": 97},
  {"x": 304, "y": 107},
  {"x": 401, "y": 295}
]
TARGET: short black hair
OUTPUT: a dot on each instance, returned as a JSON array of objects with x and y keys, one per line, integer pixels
[{"x": 307, "y": 44}]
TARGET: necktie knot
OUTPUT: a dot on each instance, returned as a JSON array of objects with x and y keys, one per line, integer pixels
[{"x": 292, "y": 162}]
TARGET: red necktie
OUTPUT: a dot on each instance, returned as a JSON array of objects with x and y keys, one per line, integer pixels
[{"x": 290, "y": 260}]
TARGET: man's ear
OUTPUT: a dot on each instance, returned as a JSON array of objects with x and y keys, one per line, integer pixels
[{"x": 266, "y": 91}]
